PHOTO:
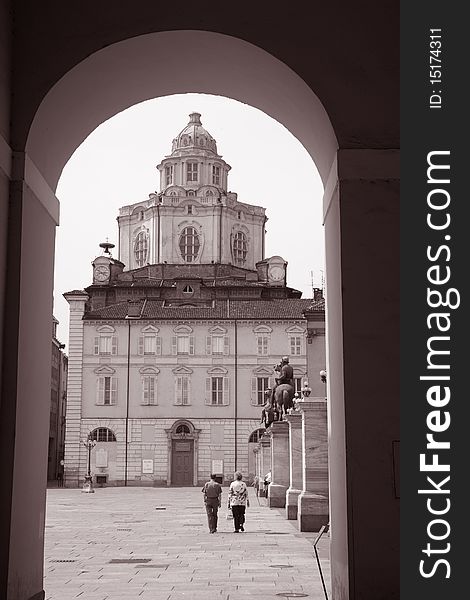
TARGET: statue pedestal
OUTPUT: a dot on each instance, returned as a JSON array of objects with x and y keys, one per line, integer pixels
[
  {"x": 313, "y": 502},
  {"x": 292, "y": 497},
  {"x": 312, "y": 511},
  {"x": 295, "y": 463},
  {"x": 280, "y": 471}
]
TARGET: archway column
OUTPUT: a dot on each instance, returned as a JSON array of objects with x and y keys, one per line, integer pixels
[
  {"x": 26, "y": 391},
  {"x": 265, "y": 444},
  {"x": 279, "y": 464},
  {"x": 361, "y": 218}
]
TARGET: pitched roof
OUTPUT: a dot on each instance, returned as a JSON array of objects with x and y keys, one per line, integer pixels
[{"x": 285, "y": 308}]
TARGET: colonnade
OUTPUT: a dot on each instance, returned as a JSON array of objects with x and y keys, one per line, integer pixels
[{"x": 295, "y": 451}]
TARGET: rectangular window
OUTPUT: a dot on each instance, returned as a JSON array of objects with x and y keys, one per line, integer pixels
[
  {"x": 150, "y": 344},
  {"x": 296, "y": 345},
  {"x": 148, "y": 389},
  {"x": 182, "y": 390},
  {"x": 217, "y": 391},
  {"x": 263, "y": 345},
  {"x": 298, "y": 385},
  {"x": 191, "y": 171},
  {"x": 216, "y": 175},
  {"x": 182, "y": 344},
  {"x": 262, "y": 386},
  {"x": 105, "y": 344},
  {"x": 107, "y": 390},
  {"x": 217, "y": 344},
  {"x": 169, "y": 175}
]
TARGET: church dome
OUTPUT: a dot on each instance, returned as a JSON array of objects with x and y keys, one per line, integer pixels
[{"x": 194, "y": 136}]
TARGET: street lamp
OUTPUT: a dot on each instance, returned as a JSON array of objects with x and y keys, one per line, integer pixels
[
  {"x": 88, "y": 483},
  {"x": 306, "y": 390}
]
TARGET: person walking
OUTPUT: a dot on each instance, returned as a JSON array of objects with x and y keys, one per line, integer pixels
[
  {"x": 60, "y": 474},
  {"x": 212, "y": 499},
  {"x": 238, "y": 501}
]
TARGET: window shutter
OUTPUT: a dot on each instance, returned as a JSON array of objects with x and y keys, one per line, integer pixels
[
  {"x": 178, "y": 390},
  {"x": 226, "y": 344},
  {"x": 114, "y": 382},
  {"x": 191, "y": 344},
  {"x": 272, "y": 382},
  {"x": 114, "y": 347},
  {"x": 158, "y": 348},
  {"x": 153, "y": 399},
  {"x": 208, "y": 390},
  {"x": 96, "y": 349},
  {"x": 100, "y": 390},
  {"x": 173, "y": 345},
  {"x": 144, "y": 390},
  {"x": 188, "y": 390},
  {"x": 254, "y": 391},
  {"x": 208, "y": 344},
  {"x": 226, "y": 391},
  {"x": 141, "y": 345}
]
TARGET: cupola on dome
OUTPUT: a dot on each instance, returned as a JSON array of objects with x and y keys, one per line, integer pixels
[{"x": 194, "y": 136}]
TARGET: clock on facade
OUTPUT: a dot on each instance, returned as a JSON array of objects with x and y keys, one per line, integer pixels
[
  {"x": 276, "y": 273},
  {"x": 101, "y": 273}
]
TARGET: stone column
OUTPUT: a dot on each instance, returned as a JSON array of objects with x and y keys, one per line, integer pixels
[
  {"x": 280, "y": 475},
  {"x": 313, "y": 509},
  {"x": 295, "y": 464}
]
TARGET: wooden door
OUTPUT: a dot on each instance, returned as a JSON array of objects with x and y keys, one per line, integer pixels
[{"x": 182, "y": 463}]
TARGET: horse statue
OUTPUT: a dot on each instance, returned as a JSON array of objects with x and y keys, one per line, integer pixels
[
  {"x": 270, "y": 413},
  {"x": 283, "y": 393},
  {"x": 284, "y": 399}
]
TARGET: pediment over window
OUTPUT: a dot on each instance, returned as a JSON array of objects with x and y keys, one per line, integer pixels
[
  {"x": 296, "y": 329},
  {"x": 149, "y": 329},
  {"x": 184, "y": 329},
  {"x": 149, "y": 371},
  {"x": 262, "y": 329},
  {"x": 106, "y": 329},
  {"x": 263, "y": 371},
  {"x": 217, "y": 371},
  {"x": 105, "y": 370},
  {"x": 182, "y": 370},
  {"x": 217, "y": 330}
]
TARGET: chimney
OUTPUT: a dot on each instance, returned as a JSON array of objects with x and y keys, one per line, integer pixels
[
  {"x": 133, "y": 309},
  {"x": 317, "y": 294}
]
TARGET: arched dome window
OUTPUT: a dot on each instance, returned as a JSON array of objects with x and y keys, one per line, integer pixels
[
  {"x": 240, "y": 248},
  {"x": 102, "y": 434},
  {"x": 141, "y": 247},
  {"x": 189, "y": 244}
]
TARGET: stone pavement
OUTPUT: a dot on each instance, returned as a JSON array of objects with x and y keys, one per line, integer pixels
[{"x": 154, "y": 544}]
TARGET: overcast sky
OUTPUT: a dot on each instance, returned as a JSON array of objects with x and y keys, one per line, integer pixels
[{"x": 116, "y": 165}]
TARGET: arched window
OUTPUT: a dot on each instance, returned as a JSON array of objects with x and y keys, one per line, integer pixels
[
  {"x": 239, "y": 248},
  {"x": 256, "y": 436},
  {"x": 141, "y": 248},
  {"x": 189, "y": 244},
  {"x": 183, "y": 428},
  {"x": 103, "y": 434}
]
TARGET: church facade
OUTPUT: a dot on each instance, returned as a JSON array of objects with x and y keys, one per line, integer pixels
[{"x": 172, "y": 346}]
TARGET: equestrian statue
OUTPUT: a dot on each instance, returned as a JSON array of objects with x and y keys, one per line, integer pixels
[{"x": 280, "y": 399}]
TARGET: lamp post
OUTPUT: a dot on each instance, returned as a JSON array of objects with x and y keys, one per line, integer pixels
[
  {"x": 323, "y": 378},
  {"x": 88, "y": 483},
  {"x": 306, "y": 390}
]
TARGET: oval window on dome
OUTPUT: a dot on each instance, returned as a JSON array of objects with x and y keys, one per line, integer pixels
[
  {"x": 141, "y": 247},
  {"x": 189, "y": 244},
  {"x": 240, "y": 248}
]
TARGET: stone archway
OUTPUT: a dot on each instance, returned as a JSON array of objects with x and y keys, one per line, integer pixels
[{"x": 361, "y": 225}]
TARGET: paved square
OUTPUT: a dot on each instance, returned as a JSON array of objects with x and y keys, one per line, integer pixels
[{"x": 153, "y": 543}]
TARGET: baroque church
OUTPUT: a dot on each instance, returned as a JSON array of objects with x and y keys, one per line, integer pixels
[{"x": 172, "y": 346}]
